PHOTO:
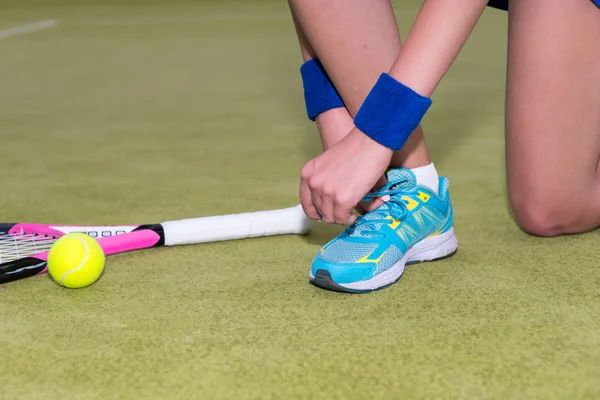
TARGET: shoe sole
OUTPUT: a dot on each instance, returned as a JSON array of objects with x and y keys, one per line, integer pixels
[{"x": 430, "y": 249}]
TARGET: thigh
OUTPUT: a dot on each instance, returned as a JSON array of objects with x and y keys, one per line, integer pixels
[{"x": 553, "y": 99}]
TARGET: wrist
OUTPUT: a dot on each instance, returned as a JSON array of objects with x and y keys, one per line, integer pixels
[
  {"x": 371, "y": 146},
  {"x": 333, "y": 126},
  {"x": 320, "y": 94},
  {"x": 391, "y": 112}
]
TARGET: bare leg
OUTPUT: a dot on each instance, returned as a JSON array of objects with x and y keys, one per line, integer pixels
[
  {"x": 553, "y": 115},
  {"x": 356, "y": 40}
]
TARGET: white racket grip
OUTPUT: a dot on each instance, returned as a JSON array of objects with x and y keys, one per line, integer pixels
[{"x": 237, "y": 226}]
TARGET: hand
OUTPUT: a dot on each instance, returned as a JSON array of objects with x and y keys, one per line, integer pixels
[
  {"x": 332, "y": 184},
  {"x": 367, "y": 206},
  {"x": 333, "y": 126}
]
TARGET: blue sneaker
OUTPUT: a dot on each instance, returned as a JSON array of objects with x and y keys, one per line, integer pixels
[{"x": 414, "y": 226}]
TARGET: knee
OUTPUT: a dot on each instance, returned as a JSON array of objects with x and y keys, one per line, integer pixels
[
  {"x": 536, "y": 219},
  {"x": 546, "y": 212}
]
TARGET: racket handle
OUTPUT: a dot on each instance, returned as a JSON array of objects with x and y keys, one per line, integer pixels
[{"x": 237, "y": 226}]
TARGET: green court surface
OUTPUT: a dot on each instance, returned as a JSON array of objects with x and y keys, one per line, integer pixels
[{"x": 144, "y": 111}]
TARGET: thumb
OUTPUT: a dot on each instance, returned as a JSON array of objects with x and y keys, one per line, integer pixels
[
  {"x": 369, "y": 206},
  {"x": 375, "y": 203}
]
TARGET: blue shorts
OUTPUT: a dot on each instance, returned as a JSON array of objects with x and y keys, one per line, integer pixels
[{"x": 503, "y": 4}]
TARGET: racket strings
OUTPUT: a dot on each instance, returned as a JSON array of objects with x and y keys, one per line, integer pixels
[{"x": 14, "y": 247}]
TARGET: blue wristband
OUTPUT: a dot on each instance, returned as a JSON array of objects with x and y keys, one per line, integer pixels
[
  {"x": 319, "y": 93},
  {"x": 391, "y": 112}
]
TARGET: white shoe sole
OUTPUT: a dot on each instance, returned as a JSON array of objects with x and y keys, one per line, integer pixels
[{"x": 429, "y": 249}]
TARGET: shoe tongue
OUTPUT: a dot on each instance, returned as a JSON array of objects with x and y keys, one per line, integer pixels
[{"x": 405, "y": 180}]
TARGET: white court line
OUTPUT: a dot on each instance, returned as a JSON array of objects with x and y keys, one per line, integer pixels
[{"x": 23, "y": 29}]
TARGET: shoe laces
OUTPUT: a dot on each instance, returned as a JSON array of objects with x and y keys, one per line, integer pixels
[{"x": 395, "y": 206}]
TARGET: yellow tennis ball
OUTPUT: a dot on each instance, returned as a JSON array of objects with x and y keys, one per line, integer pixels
[{"x": 76, "y": 260}]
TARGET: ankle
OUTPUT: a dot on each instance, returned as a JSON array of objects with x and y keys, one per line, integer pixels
[
  {"x": 414, "y": 154},
  {"x": 400, "y": 160},
  {"x": 427, "y": 176}
]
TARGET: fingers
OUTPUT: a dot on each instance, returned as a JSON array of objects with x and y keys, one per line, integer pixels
[
  {"x": 360, "y": 208},
  {"x": 327, "y": 206},
  {"x": 372, "y": 205},
  {"x": 343, "y": 205},
  {"x": 306, "y": 198},
  {"x": 324, "y": 203},
  {"x": 329, "y": 192},
  {"x": 344, "y": 215},
  {"x": 322, "y": 200},
  {"x": 316, "y": 202},
  {"x": 375, "y": 203},
  {"x": 319, "y": 201},
  {"x": 316, "y": 199},
  {"x": 334, "y": 203}
]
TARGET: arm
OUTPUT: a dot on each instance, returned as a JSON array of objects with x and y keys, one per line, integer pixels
[
  {"x": 334, "y": 182},
  {"x": 398, "y": 101},
  {"x": 441, "y": 29}
]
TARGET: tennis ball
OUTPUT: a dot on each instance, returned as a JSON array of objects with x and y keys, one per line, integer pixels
[{"x": 75, "y": 260}]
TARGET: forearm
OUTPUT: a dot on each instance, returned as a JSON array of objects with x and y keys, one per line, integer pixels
[
  {"x": 399, "y": 100},
  {"x": 334, "y": 124},
  {"x": 441, "y": 29}
]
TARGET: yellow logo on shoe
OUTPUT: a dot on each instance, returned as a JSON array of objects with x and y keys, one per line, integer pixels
[
  {"x": 424, "y": 197},
  {"x": 394, "y": 224},
  {"x": 411, "y": 204},
  {"x": 366, "y": 259}
]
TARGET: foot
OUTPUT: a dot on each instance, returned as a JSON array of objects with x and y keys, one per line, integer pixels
[{"x": 414, "y": 226}]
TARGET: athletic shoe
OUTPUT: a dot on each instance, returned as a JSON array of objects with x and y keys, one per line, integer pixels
[{"x": 414, "y": 226}]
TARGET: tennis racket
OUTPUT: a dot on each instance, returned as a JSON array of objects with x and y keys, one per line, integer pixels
[{"x": 24, "y": 246}]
